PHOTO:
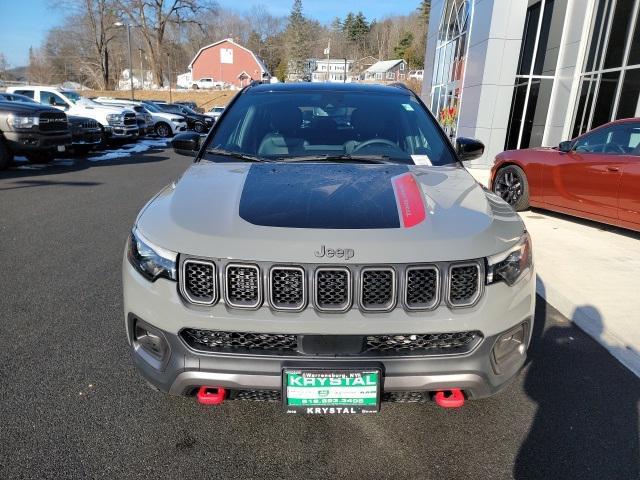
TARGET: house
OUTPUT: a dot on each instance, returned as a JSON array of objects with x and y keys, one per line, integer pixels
[
  {"x": 386, "y": 71},
  {"x": 228, "y": 61},
  {"x": 301, "y": 71},
  {"x": 331, "y": 70},
  {"x": 359, "y": 66}
]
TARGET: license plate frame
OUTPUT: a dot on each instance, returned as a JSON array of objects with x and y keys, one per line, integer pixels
[{"x": 363, "y": 401}]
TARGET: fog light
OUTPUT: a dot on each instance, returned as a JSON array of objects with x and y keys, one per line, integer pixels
[
  {"x": 510, "y": 346},
  {"x": 150, "y": 340}
]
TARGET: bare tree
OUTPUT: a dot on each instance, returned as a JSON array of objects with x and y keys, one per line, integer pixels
[{"x": 153, "y": 18}]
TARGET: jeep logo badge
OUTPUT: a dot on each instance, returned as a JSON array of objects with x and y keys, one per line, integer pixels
[{"x": 345, "y": 253}]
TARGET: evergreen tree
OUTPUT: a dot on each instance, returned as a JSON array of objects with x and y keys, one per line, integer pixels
[{"x": 404, "y": 45}]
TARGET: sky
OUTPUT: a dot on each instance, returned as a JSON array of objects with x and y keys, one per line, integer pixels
[{"x": 24, "y": 23}]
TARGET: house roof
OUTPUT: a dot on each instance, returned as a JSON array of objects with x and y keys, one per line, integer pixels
[
  {"x": 260, "y": 63},
  {"x": 383, "y": 66}
]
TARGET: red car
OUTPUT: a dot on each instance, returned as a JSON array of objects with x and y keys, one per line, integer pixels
[{"x": 595, "y": 176}]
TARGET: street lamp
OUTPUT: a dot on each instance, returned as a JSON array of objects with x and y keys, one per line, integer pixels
[{"x": 120, "y": 24}]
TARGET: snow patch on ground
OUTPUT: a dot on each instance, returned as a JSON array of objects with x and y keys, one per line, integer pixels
[{"x": 127, "y": 150}]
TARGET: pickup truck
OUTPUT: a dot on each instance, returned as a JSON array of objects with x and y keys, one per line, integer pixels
[
  {"x": 35, "y": 131},
  {"x": 117, "y": 123},
  {"x": 207, "y": 83}
]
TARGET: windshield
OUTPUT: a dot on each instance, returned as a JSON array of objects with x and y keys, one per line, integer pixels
[
  {"x": 342, "y": 125},
  {"x": 188, "y": 110},
  {"x": 152, "y": 107},
  {"x": 73, "y": 96}
]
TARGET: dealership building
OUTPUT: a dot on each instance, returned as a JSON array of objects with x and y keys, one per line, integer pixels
[{"x": 519, "y": 74}]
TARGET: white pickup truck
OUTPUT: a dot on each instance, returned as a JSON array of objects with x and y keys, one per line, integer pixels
[
  {"x": 207, "y": 83},
  {"x": 116, "y": 122}
]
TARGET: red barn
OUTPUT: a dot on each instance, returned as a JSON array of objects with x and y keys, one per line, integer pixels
[{"x": 229, "y": 62}]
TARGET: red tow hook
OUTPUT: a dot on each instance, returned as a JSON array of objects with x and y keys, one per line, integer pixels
[
  {"x": 211, "y": 395},
  {"x": 453, "y": 398}
]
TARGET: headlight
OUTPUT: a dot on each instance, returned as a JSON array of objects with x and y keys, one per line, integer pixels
[
  {"x": 177, "y": 119},
  {"x": 511, "y": 265},
  {"x": 19, "y": 121},
  {"x": 150, "y": 260},
  {"x": 115, "y": 118}
]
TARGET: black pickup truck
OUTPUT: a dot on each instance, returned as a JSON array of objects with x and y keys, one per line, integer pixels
[{"x": 36, "y": 131}]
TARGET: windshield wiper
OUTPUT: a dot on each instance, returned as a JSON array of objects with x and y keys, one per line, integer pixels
[
  {"x": 238, "y": 155},
  {"x": 346, "y": 158}
]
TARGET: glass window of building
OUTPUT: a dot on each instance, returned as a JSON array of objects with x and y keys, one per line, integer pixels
[
  {"x": 535, "y": 74},
  {"x": 449, "y": 64},
  {"x": 610, "y": 81}
]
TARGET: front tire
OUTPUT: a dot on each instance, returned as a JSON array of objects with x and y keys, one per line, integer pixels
[
  {"x": 199, "y": 127},
  {"x": 6, "y": 157},
  {"x": 163, "y": 130},
  {"x": 512, "y": 186}
]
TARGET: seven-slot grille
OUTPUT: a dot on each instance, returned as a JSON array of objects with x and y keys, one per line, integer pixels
[
  {"x": 422, "y": 288},
  {"x": 287, "y": 288},
  {"x": 464, "y": 284},
  {"x": 199, "y": 285},
  {"x": 331, "y": 289},
  {"x": 377, "y": 289},
  {"x": 243, "y": 287}
]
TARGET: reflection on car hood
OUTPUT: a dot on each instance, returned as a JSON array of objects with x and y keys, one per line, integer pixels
[{"x": 285, "y": 212}]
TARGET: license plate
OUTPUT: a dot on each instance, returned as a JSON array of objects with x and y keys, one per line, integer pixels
[
  {"x": 61, "y": 148},
  {"x": 331, "y": 392}
]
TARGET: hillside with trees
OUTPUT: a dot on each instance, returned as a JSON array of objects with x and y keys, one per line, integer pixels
[{"x": 90, "y": 47}]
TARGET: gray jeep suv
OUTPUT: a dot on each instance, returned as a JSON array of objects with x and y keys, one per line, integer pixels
[{"x": 328, "y": 250}]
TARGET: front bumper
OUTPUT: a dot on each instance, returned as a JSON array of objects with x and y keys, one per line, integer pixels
[
  {"x": 86, "y": 137},
  {"x": 159, "y": 305},
  {"x": 179, "y": 127},
  {"x": 118, "y": 131},
  {"x": 28, "y": 142}
]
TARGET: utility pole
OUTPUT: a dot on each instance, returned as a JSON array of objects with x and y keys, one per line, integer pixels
[
  {"x": 328, "y": 52},
  {"x": 169, "y": 75}
]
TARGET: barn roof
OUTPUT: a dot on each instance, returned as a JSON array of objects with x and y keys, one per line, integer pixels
[{"x": 258, "y": 60}]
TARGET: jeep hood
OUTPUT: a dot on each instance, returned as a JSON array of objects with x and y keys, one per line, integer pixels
[{"x": 286, "y": 212}]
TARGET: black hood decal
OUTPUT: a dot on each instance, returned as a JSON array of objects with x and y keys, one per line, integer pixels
[{"x": 321, "y": 195}]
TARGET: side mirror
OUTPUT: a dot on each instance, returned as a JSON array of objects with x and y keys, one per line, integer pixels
[
  {"x": 565, "y": 147},
  {"x": 186, "y": 143},
  {"x": 469, "y": 148}
]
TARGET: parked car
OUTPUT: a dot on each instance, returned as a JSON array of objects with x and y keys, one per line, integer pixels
[
  {"x": 595, "y": 176},
  {"x": 328, "y": 268},
  {"x": 195, "y": 121},
  {"x": 416, "y": 74},
  {"x": 192, "y": 105},
  {"x": 215, "y": 112},
  {"x": 33, "y": 130},
  {"x": 161, "y": 123},
  {"x": 116, "y": 122},
  {"x": 86, "y": 133},
  {"x": 207, "y": 83}
]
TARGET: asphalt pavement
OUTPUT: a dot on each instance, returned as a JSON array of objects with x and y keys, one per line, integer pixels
[{"x": 72, "y": 405}]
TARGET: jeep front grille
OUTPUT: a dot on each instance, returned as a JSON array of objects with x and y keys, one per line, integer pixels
[
  {"x": 199, "y": 284},
  {"x": 243, "y": 287},
  {"x": 377, "y": 289},
  {"x": 214, "y": 341},
  {"x": 421, "y": 344},
  {"x": 287, "y": 288},
  {"x": 240, "y": 342},
  {"x": 422, "y": 287},
  {"x": 464, "y": 284},
  {"x": 333, "y": 289}
]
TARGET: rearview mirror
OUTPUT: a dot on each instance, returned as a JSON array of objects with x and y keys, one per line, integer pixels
[
  {"x": 186, "y": 143},
  {"x": 469, "y": 148},
  {"x": 565, "y": 146}
]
